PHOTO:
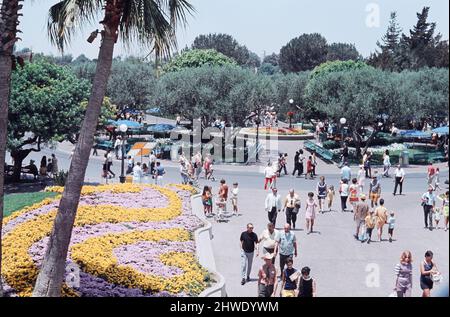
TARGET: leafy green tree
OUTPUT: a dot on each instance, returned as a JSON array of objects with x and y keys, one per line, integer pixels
[
  {"x": 209, "y": 92},
  {"x": 291, "y": 86},
  {"x": 337, "y": 66},
  {"x": 198, "y": 58},
  {"x": 424, "y": 94},
  {"x": 303, "y": 53},
  {"x": 81, "y": 59},
  {"x": 228, "y": 46},
  {"x": 268, "y": 69},
  {"x": 422, "y": 47},
  {"x": 131, "y": 83},
  {"x": 388, "y": 57},
  {"x": 44, "y": 107},
  {"x": 273, "y": 59},
  {"x": 253, "y": 60},
  {"x": 361, "y": 95},
  {"x": 343, "y": 52}
]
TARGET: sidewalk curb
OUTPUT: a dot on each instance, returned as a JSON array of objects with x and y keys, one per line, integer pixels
[{"x": 204, "y": 251}]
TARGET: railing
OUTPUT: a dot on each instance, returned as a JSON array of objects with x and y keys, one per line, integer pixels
[{"x": 205, "y": 254}]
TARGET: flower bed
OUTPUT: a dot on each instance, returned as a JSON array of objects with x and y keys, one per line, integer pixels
[{"x": 128, "y": 240}]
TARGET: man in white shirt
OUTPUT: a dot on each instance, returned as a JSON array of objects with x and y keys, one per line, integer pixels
[
  {"x": 268, "y": 175},
  {"x": 291, "y": 206},
  {"x": 399, "y": 178},
  {"x": 137, "y": 173},
  {"x": 117, "y": 146},
  {"x": 269, "y": 238},
  {"x": 273, "y": 205},
  {"x": 152, "y": 160}
]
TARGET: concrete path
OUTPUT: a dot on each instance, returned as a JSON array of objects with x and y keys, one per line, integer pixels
[{"x": 341, "y": 265}]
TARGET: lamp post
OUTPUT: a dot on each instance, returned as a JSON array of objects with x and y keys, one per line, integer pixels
[
  {"x": 291, "y": 102},
  {"x": 123, "y": 129},
  {"x": 257, "y": 122},
  {"x": 343, "y": 122}
]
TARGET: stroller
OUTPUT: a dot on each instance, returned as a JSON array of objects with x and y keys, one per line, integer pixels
[
  {"x": 209, "y": 175},
  {"x": 221, "y": 214},
  {"x": 193, "y": 181}
]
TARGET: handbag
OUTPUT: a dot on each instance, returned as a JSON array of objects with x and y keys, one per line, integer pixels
[
  {"x": 294, "y": 276},
  {"x": 437, "y": 277}
]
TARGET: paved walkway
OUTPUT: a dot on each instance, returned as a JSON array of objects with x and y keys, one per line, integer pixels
[{"x": 340, "y": 264}]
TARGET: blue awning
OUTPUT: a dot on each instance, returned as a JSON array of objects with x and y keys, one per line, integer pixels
[
  {"x": 128, "y": 123},
  {"x": 441, "y": 130}
]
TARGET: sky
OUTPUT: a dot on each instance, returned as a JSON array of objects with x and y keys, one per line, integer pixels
[{"x": 264, "y": 26}]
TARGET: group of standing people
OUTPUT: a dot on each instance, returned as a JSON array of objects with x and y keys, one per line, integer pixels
[
  {"x": 275, "y": 243},
  {"x": 221, "y": 202},
  {"x": 191, "y": 169},
  {"x": 48, "y": 167}
]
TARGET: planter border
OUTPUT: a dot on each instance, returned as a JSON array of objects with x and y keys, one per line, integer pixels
[{"x": 207, "y": 261}]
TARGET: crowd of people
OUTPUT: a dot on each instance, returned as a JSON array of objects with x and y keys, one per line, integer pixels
[{"x": 371, "y": 214}]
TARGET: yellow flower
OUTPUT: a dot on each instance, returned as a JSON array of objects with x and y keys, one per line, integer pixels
[{"x": 96, "y": 254}]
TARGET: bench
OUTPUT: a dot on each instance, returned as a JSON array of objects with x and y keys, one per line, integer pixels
[
  {"x": 420, "y": 158},
  {"x": 104, "y": 145},
  {"x": 324, "y": 154}
]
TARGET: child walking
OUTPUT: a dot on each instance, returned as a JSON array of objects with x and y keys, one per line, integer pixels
[
  {"x": 437, "y": 216},
  {"x": 371, "y": 221},
  {"x": 330, "y": 196},
  {"x": 234, "y": 198},
  {"x": 391, "y": 225},
  {"x": 437, "y": 180}
]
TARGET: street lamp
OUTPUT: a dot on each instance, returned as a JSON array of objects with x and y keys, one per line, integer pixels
[
  {"x": 257, "y": 122},
  {"x": 123, "y": 129},
  {"x": 343, "y": 122}
]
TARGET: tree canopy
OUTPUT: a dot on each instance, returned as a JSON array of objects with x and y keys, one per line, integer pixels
[
  {"x": 45, "y": 106},
  {"x": 198, "y": 58},
  {"x": 303, "y": 53},
  {"x": 422, "y": 47},
  {"x": 209, "y": 92},
  {"x": 228, "y": 46}
]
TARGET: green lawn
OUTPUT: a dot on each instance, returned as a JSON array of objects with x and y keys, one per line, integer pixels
[{"x": 15, "y": 202}]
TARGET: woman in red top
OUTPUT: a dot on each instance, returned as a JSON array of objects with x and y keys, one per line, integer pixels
[{"x": 309, "y": 168}]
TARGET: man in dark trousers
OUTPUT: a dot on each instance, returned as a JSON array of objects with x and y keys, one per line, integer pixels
[{"x": 296, "y": 164}]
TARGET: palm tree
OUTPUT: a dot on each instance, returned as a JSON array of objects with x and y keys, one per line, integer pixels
[
  {"x": 9, "y": 19},
  {"x": 151, "y": 22}
]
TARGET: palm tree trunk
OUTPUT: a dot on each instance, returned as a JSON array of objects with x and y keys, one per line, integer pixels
[
  {"x": 50, "y": 278},
  {"x": 9, "y": 17},
  {"x": 5, "y": 79}
]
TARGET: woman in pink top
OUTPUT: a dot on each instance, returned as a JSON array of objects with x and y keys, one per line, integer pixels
[{"x": 311, "y": 209}]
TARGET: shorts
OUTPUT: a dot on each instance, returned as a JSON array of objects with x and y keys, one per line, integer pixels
[
  {"x": 288, "y": 293},
  {"x": 374, "y": 196},
  {"x": 322, "y": 197}
]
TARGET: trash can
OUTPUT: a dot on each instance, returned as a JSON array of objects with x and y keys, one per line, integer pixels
[{"x": 404, "y": 159}]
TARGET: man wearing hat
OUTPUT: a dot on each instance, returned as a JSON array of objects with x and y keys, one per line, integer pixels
[
  {"x": 32, "y": 168},
  {"x": 361, "y": 211},
  {"x": 429, "y": 203},
  {"x": 267, "y": 278}
]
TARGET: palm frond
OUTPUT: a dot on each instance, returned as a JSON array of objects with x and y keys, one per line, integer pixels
[
  {"x": 148, "y": 22},
  {"x": 66, "y": 16}
]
